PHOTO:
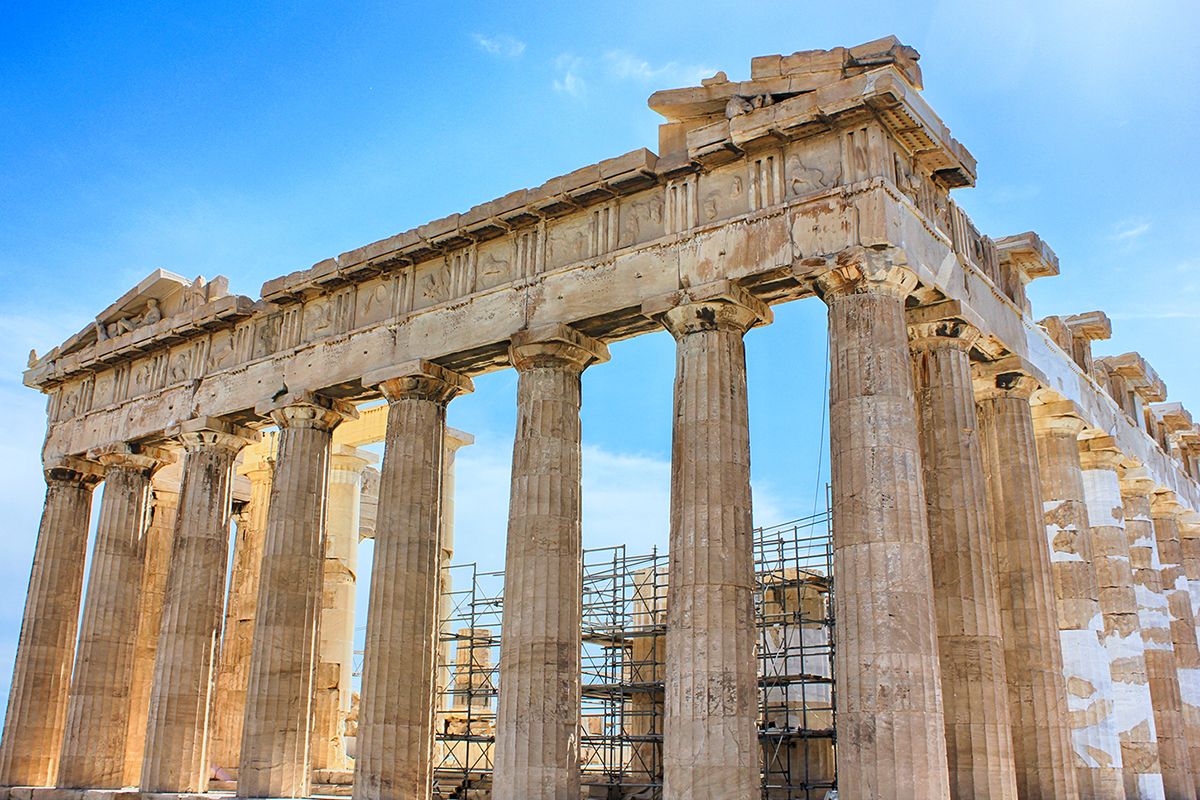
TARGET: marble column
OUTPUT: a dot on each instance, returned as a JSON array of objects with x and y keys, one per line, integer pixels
[
  {"x": 93, "y": 750},
  {"x": 537, "y": 718},
  {"x": 454, "y": 439},
  {"x": 1090, "y": 694},
  {"x": 710, "y": 724},
  {"x": 159, "y": 537},
  {"x": 1033, "y": 659},
  {"x": 233, "y": 668},
  {"x": 1165, "y": 510},
  {"x": 979, "y": 747},
  {"x": 891, "y": 730},
  {"x": 277, "y": 726},
  {"x": 1122, "y": 628},
  {"x": 395, "y": 727},
  {"x": 37, "y": 702},
  {"x": 175, "y": 757},
  {"x": 1189, "y": 542},
  {"x": 335, "y": 667},
  {"x": 1162, "y": 668}
]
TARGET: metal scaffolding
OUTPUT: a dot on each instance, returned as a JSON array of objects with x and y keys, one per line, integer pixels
[{"x": 623, "y": 659}]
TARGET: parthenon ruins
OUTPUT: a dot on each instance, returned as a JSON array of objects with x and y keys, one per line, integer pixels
[{"x": 1013, "y": 580}]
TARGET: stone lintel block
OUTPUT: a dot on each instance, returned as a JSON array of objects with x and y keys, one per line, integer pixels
[
  {"x": 935, "y": 312},
  {"x": 1173, "y": 416},
  {"x": 716, "y": 291},
  {"x": 1091, "y": 325},
  {"x": 304, "y": 398},
  {"x": 1140, "y": 376},
  {"x": 419, "y": 368},
  {"x": 561, "y": 337},
  {"x": 439, "y": 227},
  {"x": 635, "y": 161},
  {"x": 1028, "y": 253},
  {"x": 214, "y": 425}
]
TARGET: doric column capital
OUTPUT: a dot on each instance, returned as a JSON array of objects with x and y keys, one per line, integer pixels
[
  {"x": 205, "y": 433},
  {"x": 1057, "y": 419},
  {"x": 1166, "y": 504},
  {"x": 1009, "y": 377},
  {"x": 1189, "y": 525},
  {"x": 1136, "y": 482},
  {"x": 305, "y": 409},
  {"x": 717, "y": 306},
  {"x": 351, "y": 459},
  {"x": 555, "y": 345},
  {"x": 419, "y": 379},
  {"x": 137, "y": 457},
  {"x": 1100, "y": 453},
  {"x": 953, "y": 333},
  {"x": 73, "y": 470},
  {"x": 865, "y": 270}
]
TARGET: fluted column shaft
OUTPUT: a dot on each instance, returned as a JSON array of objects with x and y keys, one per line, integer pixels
[
  {"x": 93, "y": 751},
  {"x": 1165, "y": 511},
  {"x": 277, "y": 727},
  {"x": 971, "y": 650},
  {"x": 180, "y": 698},
  {"x": 233, "y": 669},
  {"x": 1090, "y": 695},
  {"x": 37, "y": 702},
  {"x": 1162, "y": 669},
  {"x": 537, "y": 720},
  {"x": 395, "y": 728},
  {"x": 159, "y": 537},
  {"x": 1122, "y": 627},
  {"x": 710, "y": 737},
  {"x": 1037, "y": 693},
  {"x": 335, "y": 668},
  {"x": 891, "y": 729},
  {"x": 1189, "y": 542}
]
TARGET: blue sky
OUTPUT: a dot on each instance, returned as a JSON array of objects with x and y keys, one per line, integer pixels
[{"x": 211, "y": 138}]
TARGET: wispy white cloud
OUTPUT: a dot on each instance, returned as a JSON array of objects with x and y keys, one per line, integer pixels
[
  {"x": 503, "y": 45},
  {"x": 626, "y": 66},
  {"x": 568, "y": 66},
  {"x": 1129, "y": 229}
]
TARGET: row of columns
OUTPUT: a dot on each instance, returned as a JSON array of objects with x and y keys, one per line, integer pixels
[{"x": 1007, "y": 613}]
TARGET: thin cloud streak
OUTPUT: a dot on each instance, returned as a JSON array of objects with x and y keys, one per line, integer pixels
[
  {"x": 570, "y": 82},
  {"x": 503, "y": 45}
]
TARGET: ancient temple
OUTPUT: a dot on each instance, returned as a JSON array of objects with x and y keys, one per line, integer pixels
[{"x": 1015, "y": 536}]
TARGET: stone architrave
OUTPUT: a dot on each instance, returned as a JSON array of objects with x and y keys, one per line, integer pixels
[
  {"x": 1154, "y": 616},
  {"x": 395, "y": 728},
  {"x": 233, "y": 669},
  {"x": 710, "y": 723},
  {"x": 1122, "y": 628},
  {"x": 891, "y": 731},
  {"x": 537, "y": 718},
  {"x": 335, "y": 667},
  {"x": 175, "y": 757},
  {"x": 1165, "y": 510},
  {"x": 1033, "y": 659},
  {"x": 93, "y": 749},
  {"x": 277, "y": 726},
  {"x": 970, "y": 644},
  {"x": 159, "y": 537},
  {"x": 1090, "y": 694},
  {"x": 37, "y": 702}
]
